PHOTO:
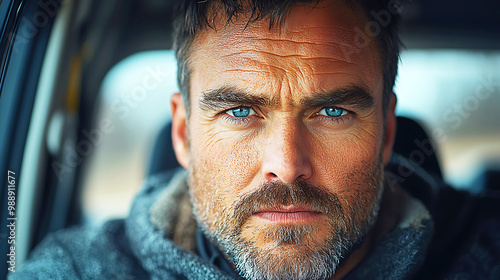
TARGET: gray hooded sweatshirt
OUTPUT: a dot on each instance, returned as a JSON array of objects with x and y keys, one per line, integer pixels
[{"x": 157, "y": 241}]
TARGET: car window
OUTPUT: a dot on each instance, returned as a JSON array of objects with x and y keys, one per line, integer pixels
[
  {"x": 135, "y": 103},
  {"x": 456, "y": 94}
]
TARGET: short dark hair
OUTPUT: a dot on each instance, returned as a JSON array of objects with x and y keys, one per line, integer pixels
[{"x": 193, "y": 15}]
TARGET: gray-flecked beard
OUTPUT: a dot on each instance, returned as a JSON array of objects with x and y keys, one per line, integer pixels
[{"x": 308, "y": 259}]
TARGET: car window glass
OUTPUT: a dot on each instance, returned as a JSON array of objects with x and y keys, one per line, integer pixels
[
  {"x": 456, "y": 93},
  {"x": 135, "y": 102}
]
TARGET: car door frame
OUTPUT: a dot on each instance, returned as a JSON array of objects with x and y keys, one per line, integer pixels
[{"x": 25, "y": 31}]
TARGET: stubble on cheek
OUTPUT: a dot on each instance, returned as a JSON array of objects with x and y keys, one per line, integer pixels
[{"x": 216, "y": 176}]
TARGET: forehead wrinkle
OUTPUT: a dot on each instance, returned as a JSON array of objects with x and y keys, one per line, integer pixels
[
  {"x": 326, "y": 44},
  {"x": 287, "y": 47},
  {"x": 333, "y": 73},
  {"x": 290, "y": 65},
  {"x": 249, "y": 71},
  {"x": 295, "y": 55},
  {"x": 307, "y": 35},
  {"x": 257, "y": 64},
  {"x": 287, "y": 62}
]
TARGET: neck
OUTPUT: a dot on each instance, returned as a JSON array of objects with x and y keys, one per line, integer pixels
[
  {"x": 355, "y": 258},
  {"x": 386, "y": 221}
]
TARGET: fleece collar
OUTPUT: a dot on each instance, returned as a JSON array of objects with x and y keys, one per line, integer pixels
[
  {"x": 402, "y": 251},
  {"x": 151, "y": 236}
]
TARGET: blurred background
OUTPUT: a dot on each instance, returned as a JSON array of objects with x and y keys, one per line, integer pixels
[{"x": 118, "y": 165}]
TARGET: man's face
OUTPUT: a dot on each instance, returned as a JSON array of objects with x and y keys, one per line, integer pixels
[{"x": 284, "y": 142}]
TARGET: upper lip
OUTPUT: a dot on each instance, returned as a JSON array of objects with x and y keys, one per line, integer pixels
[{"x": 288, "y": 209}]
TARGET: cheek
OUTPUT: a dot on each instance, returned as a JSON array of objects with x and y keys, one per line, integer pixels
[
  {"x": 225, "y": 163},
  {"x": 348, "y": 164},
  {"x": 353, "y": 172},
  {"x": 226, "y": 154}
]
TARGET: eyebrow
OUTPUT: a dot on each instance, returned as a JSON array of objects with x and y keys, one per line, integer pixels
[
  {"x": 357, "y": 96},
  {"x": 227, "y": 96}
]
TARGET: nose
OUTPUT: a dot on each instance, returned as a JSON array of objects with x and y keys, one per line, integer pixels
[{"x": 287, "y": 157}]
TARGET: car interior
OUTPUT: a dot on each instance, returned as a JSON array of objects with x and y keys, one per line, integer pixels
[{"x": 81, "y": 130}]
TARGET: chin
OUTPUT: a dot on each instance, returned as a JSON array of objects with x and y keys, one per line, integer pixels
[{"x": 287, "y": 252}]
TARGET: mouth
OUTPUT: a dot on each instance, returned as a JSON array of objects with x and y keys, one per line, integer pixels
[{"x": 290, "y": 214}]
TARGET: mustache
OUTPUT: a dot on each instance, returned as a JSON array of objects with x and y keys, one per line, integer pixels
[{"x": 274, "y": 194}]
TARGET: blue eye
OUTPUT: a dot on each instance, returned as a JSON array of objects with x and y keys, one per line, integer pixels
[
  {"x": 333, "y": 112},
  {"x": 241, "y": 112}
]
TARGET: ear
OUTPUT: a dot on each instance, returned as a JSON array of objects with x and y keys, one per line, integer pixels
[
  {"x": 390, "y": 132},
  {"x": 179, "y": 130}
]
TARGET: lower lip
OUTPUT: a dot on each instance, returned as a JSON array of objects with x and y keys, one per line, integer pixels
[{"x": 288, "y": 217}]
